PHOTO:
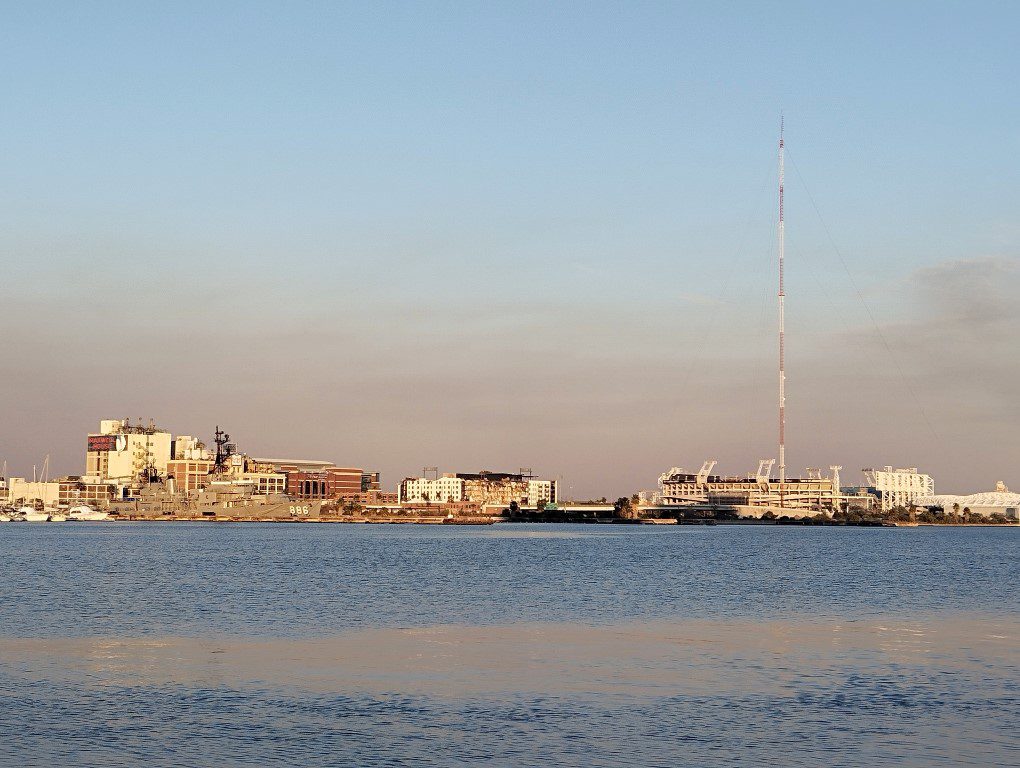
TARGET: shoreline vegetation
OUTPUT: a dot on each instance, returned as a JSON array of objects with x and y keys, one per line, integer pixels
[
  {"x": 624, "y": 511},
  {"x": 629, "y": 511},
  {"x": 686, "y": 517}
]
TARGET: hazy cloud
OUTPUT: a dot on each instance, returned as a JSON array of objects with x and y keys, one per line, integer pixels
[{"x": 606, "y": 395}]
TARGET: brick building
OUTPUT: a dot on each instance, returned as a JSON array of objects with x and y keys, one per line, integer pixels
[
  {"x": 86, "y": 490},
  {"x": 327, "y": 483},
  {"x": 189, "y": 475}
]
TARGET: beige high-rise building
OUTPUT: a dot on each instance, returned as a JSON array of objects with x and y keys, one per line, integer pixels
[{"x": 121, "y": 452}]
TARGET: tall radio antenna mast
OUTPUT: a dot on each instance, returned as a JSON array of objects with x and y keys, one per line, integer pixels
[{"x": 782, "y": 324}]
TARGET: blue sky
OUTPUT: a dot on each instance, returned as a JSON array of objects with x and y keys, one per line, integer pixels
[{"x": 368, "y": 216}]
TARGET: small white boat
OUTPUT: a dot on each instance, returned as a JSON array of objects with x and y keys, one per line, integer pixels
[
  {"x": 85, "y": 512},
  {"x": 33, "y": 515},
  {"x": 58, "y": 517}
]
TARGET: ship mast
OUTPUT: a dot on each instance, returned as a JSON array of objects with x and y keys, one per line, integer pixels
[{"x": 782, "y": 327}]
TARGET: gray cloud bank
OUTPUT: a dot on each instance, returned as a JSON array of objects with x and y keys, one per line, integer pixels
[{"x": 605, "y": 394}]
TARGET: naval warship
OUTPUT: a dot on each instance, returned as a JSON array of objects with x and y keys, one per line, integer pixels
[{"x": 222, "y": 498}]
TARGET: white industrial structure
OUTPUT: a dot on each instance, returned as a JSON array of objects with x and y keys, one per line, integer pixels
[
  {"x": 899, "y": 487},
  {"x": 812, "y": 493},
  {"x": 998, "y": 502}
]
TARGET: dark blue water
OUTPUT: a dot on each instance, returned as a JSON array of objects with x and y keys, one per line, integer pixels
[
  {"x": 285, "y": 580},
  {"x": 705, "y": 693}
]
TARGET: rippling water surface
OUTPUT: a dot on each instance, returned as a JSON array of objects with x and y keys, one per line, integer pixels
[{"x": 202, "y": 644}]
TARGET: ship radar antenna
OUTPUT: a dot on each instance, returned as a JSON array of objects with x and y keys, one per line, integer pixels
[{"x": 224, "y": 449}]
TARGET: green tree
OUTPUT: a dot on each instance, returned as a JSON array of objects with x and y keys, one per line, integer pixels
[
  {"x": 623, "y": 509},
  {"x": 927, "y": 516},
  {"x": 898, "y": 515}
]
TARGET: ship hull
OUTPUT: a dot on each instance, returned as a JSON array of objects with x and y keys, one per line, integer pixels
[
  {"x": 278, "y": 512},
  {"x": 166, "y": 507}
]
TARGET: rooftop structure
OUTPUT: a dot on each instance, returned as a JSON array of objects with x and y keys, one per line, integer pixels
[{"x": 302, "y": 465}]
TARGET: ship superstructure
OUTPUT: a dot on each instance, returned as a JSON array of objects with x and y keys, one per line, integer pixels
[{"x": 200, "y": 485}]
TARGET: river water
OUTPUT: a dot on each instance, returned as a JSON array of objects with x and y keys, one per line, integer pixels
[{"x": 176, "y": 644}]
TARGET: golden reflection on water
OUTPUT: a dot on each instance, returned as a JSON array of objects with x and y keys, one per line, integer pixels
[{"x": 696, "y": 657}]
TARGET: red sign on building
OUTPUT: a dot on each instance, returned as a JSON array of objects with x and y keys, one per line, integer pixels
[{"x": 102, "y": 442}]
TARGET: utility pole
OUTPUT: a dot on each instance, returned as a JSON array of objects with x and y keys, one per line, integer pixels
[{"x": 782, "y": 327}]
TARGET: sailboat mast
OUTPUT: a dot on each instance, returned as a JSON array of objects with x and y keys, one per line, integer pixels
[{"x": 782, "y": 322}]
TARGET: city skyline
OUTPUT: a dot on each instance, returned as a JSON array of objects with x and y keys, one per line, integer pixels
[{"x": 436, "y": 237}]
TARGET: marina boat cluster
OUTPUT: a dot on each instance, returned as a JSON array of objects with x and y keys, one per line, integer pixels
[{"x": 31, "y": 514}]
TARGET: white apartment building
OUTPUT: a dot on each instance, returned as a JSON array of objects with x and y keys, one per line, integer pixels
[
  {"x": 540, "y": 491},
  {"x": 421, "y": 490},
  {"x": 485, "y": 488},
  {"x": 266, "y": 483}
]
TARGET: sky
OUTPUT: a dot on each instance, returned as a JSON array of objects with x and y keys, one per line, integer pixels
[{"x": 502, "y": 235}]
